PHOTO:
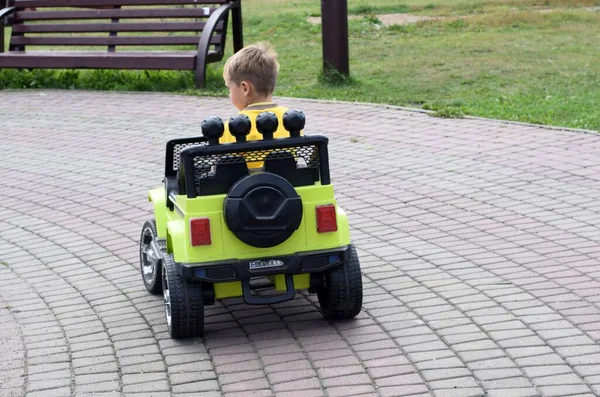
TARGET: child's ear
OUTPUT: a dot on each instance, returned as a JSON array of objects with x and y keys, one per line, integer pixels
[{"x": 246, "y": 88}]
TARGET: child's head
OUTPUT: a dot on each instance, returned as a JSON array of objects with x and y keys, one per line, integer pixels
[{"x": 250, "y": 74}]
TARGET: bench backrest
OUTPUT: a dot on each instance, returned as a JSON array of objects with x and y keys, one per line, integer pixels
[{"x": 113, "y": 23}]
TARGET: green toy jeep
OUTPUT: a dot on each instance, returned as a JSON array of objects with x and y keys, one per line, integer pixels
[{"x": 251, "y": 219}]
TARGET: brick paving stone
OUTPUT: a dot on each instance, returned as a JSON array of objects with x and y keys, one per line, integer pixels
[
  {"x": 110, "y": 386},
  {"x": 302, "y": 393},
  {"x": 254, "y": 384},
  {"x": 239, "y": 376},
  {"x": 546, "y": 359},
  {"x": 404, "y": 390},
  {"x": 342, "y": 391},
  {"x": 336, "y": 362},
  {"x": 289, "y": 376},
  {"x": 466, "y": 392},
  {"x": 154, "y": 394},
  {"x": 302, "y": 384},
  {"x": 558, "y": 390},
  {"x": 404, "y": 379},
  {"x": 253, "y": 393},
  {"x": 520, "y": 392},
  {"x": 437, "y": 374},
  {"x": 59, "y": 392},
  {"x": 506, "y": 383},
  {"x": 477, "y": 239},
  {"x": 232, "y": 368},
  {"x": 194, "y": 387},
  {"x": 383, "y": 372},
  {"x": 448, "y": 383}
]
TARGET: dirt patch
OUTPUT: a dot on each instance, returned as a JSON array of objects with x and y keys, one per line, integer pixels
[
  {"x": 404, "y": 19},
  {"x": 548, "y": 10},
  {"x": 407, "y": 19},
  {"x": 387, "y": 19}
]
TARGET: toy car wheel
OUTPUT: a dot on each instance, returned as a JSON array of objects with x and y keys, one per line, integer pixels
[
  {"x": 183, "y": 301},
  {"x": 150, "y": 259},
  {"x": 341, "y": 294}
]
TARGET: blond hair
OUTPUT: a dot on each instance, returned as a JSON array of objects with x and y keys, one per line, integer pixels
[{"x": 257, "y": 64}]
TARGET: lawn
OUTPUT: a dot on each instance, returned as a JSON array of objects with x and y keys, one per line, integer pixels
[{"x": 525, "y": 60}]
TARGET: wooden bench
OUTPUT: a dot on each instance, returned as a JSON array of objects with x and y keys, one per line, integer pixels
[{"x": 193, "y": 32}]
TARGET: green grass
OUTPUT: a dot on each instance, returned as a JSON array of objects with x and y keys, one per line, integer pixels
[
  {"x": 370, "y": 8},
  {"x": 491, "y": 58}
]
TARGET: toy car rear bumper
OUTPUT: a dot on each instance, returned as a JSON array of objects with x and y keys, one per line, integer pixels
[{"x": 234, "y": 270}]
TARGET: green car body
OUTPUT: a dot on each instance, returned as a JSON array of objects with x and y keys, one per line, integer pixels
[{"x": 198, "y": 245}]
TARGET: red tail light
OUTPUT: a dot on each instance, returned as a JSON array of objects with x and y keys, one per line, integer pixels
[
  {"x": 326, "y": 218},
  {"x": 200, "y": 231}
]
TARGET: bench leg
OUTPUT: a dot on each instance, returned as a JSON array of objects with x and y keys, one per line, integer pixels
[
  {"x": 236, "y": 27},
  {"x": 200, "y": 73}
]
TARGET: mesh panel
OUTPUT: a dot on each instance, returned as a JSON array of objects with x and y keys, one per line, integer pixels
[
  {"x": 307, "y": 156},
  {"x": 238, "y": 164},
  {"x": 177, "y": 150}
]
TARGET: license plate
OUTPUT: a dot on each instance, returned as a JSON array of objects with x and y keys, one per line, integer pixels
[{"x": 262, "y": 264}]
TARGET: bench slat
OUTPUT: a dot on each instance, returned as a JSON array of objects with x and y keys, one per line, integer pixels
[
  {"x": 107, "y": 3},
  {"x": 112, "y": 27},
  {"x": 117, "y": 13},
  {"x": 99, "y": 60},
  {"x": 114, "y": 40}
]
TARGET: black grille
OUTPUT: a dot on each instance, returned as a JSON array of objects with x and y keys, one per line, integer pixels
[
  {"x": 177, "y": 148},
  {"x": 214, "y": 169},
  {"x": 306, "y": 156},
  {"x": 216, "y": 173}
]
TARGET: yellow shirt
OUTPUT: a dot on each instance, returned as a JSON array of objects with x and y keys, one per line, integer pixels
[{"x": 252, "y": 112}]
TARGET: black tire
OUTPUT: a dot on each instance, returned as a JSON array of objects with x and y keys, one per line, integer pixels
[
  {"x": 184, "y": 302},
  {"x": 150, "y": 266},
  {"x": 341, "y": 295}
]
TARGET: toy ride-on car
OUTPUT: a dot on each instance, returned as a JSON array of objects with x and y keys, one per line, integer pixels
[{"x": 252, "y": 219}]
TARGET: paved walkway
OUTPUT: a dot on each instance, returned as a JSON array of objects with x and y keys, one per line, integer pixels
[{"x": 479, "y": 242}]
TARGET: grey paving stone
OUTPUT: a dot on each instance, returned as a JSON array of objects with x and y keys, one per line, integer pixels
[
  {"x": 60, "y": 392},
  {"x": 231, "y": 368},
  {"x": 404, "y": 379},
  {"x": 248, "y": 385},
  {"x": 466, "y": 392},
  {"x": 437, "y": 374},
  {"x": 48, "y": 384},
  {"x": 156, "y": 366},
  {"x": 477, "y": 239},
  {"x": 384, "y": 372},
  {"x": 563, "y": 379},
  {"x": 334, "y": 362},
  {"x": 93, "y": 388},
  {"x": 493, "y": 374},
  {"x": 507, "y": 382},
  {"x": 449, "y": 383},
  {"x": 520, "y": 392},
  {"x": 404, "y": 390},
  {"x": 154, "y": 394},
  {"x": 558, "y": 390},
  {"x": 546, "y": 359},
  {"x": 341, "y": 391}
]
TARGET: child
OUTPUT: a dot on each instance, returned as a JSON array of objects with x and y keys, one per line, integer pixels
[{"x": 250, "y": 75}]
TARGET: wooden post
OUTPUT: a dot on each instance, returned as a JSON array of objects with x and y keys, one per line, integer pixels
[
  {"x": 236, "y": 27},
  {"x": 334, "y": 27}
]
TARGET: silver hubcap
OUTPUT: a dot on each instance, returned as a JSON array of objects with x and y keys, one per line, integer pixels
[
  {"x": 166, "y": 297},
  {"x": 149, "y": 258}
]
